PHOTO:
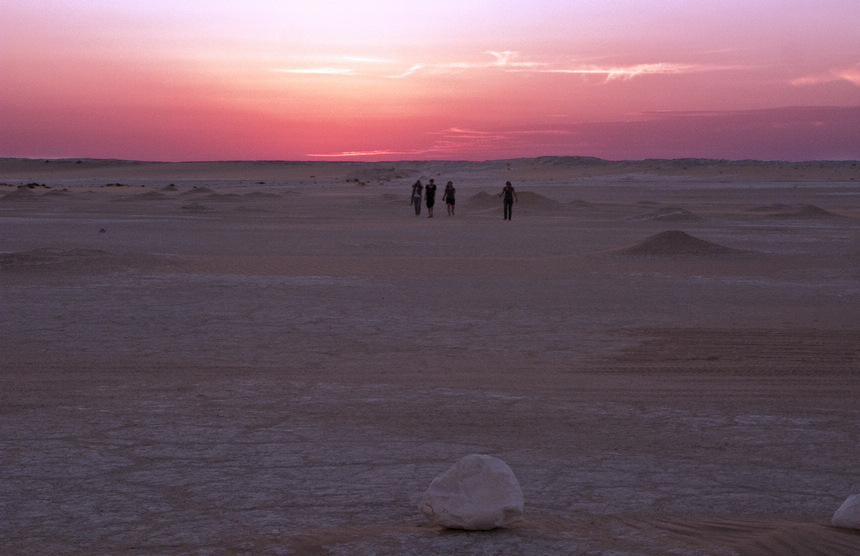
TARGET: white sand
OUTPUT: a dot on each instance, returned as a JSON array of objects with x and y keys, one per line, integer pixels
[{"x": 230, "y": 366}]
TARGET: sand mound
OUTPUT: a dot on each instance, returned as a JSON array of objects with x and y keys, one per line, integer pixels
[
  {"x": 779, "y": 210},
  {"x": 670, "y": 214},
  {"x": 23, "y": 193},
  {"x": 804, "y": 211},
  {"x": 57, "y": 193},
  {"x": 525, "y": 199},
  {"x": 675, "y": 242}
]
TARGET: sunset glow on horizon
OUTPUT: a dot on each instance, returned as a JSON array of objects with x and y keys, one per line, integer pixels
[{"x": 467, "y": 79}]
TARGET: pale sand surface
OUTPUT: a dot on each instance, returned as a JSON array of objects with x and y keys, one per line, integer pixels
[{"x": 273, "y": 358}]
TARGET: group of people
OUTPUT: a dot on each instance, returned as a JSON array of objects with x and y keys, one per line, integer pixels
[{"x": 428, "y": 194}]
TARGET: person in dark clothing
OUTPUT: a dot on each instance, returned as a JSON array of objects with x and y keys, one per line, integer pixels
[
  {"x": 417, "y": 194},
  {"x": 448, "y": 197},
  {"x": 430, "y": 197},
  {"x": 509, "y": 197}
]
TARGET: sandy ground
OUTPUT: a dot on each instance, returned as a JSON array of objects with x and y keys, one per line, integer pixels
[{"x": 271, "y": 358}]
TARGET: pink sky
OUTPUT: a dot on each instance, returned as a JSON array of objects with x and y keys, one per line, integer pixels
[{"x": 465, "y": 79}]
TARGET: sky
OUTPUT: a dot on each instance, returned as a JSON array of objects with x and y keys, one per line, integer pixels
[{"x": 445, "y": 79}]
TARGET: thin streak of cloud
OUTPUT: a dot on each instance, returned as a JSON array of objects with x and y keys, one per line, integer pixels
[
  {"x": 317, "y": 71},
  {"x": 851, "y": 75},
  {"x": 769, "y": 134},
  {"x": 510, "y": 61},
  {"x": 407, "y": 73},
  {"x": 456, "y": 140},
  {"x": 624, "y": 73},
  {"x": 354, "y": 154},
  {"x": 507, "y": 61}
]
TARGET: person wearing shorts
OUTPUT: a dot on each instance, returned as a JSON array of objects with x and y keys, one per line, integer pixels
[{"x": 448, "y": 197}]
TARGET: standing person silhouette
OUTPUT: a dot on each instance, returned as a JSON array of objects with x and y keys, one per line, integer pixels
[
  {"x": 448, "y": 197},
  {"x": 509, "y": 197},
  {"x": 430, "y": 197},
  {"x": 417, "y": 193}
]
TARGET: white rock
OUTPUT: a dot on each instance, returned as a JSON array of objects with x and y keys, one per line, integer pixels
[
  {"x": 848, "y": 514},
  {"x": 478, "y": 493}
]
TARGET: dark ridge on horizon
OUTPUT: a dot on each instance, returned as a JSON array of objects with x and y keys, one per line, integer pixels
[{"x": 583, "y": 160}]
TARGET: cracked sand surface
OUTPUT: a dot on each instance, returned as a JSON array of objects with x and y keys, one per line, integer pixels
[{"x": 286, "y": 375}]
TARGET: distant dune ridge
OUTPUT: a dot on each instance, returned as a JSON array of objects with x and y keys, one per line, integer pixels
[{"x": 553, "y": 167}]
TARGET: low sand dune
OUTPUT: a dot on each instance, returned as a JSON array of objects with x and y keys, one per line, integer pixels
[
  {"x": 803, "y": 211},
  {"x": 528, "y": 201},
  {"x": 21, "y": 193},
  {"x": 676, "y": 242}
]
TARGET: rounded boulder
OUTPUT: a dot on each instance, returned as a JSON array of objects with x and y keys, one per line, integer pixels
[{"x": 477, "y": 493}]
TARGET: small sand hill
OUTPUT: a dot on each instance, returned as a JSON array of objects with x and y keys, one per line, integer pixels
[
  {"x": 676, "y": 242},
  {"x": 55, "y": 193},
  {"x": 801, "y": 212},
  {"x": 23, "y": 193},
  {"x": 526, "y": 200}
]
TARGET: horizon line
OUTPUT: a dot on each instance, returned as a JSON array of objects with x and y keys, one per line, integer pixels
[{"x": 414, "y": 160}]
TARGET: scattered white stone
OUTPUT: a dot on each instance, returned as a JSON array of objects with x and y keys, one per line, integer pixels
[
  {"x": 848, "y": 514},
  {"x": 477, "y": 493}
]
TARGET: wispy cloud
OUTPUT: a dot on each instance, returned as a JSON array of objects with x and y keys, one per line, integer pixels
[
  {"x": 851, "y": 75},
  {"x": 612, "y": 73},
  {"x": 338, "y": 65},
  {"x": 504, "y": 61},
  {"x": 457, "y": 141},
  {"x": 798, "y": 133},
  {"x": 356, "y": 154},
  {"x": 407, "y": 73},
  {"x": 317, "y": 71}
]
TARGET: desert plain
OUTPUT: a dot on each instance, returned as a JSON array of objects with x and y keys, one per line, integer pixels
[{"x": 279, "y": 357}]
